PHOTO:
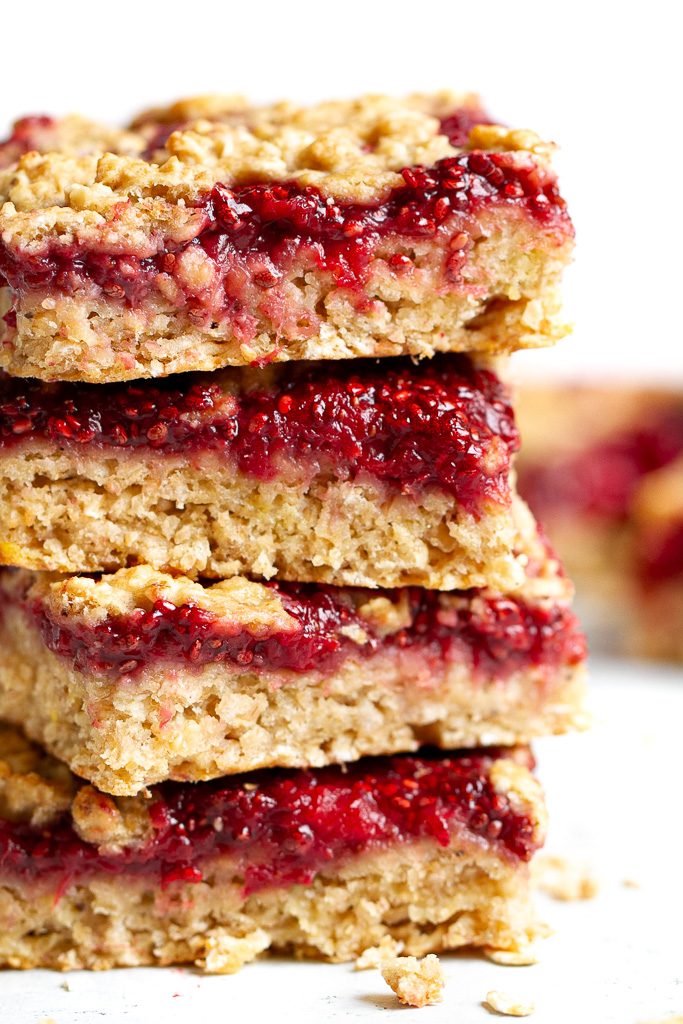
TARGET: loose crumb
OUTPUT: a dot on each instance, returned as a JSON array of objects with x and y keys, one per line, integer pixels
[
  {"x": 563, "y": 879},
  {"x": 374, "y": 956},
  {"x": 66, "y": 986},
  {"x": 521, "y": 957},
  {"x": 507, "y": 1005},
  {"x": 630, "y": 883},
  {"x": 415, "y": 982}
]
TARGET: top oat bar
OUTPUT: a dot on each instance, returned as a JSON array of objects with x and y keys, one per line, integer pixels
[{"x": 213, "y": 233}]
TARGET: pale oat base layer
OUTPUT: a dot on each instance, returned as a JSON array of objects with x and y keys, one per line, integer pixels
[
  {"x": 174, "y": 721},
  {"x": 427, "y": 897},
  {"x": 510, "y": 301},
  {"x": 68, "y": 512}
]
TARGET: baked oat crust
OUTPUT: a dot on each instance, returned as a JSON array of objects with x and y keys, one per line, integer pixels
[
  {"x": 427, "y": 897},
  {"x": 350, "y": 152}
]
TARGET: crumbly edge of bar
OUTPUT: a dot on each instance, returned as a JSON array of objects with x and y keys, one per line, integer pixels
[
  {"x": 509, "y": 300},
  {"x": 427, "y": 897},
  {"x": 186, "y": 723},
  {"x": 67, "y": 512}
]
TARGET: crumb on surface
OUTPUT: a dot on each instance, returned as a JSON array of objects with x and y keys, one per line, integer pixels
[
  {"x": 630, "y": 883},
  {"x": 415, "y": 982},
  {"x": 374, "y": 956},
  {"x": 508, "y": 1005},
  {"x": 523, "y": 956},
  {"x": 564, "y": 879}
]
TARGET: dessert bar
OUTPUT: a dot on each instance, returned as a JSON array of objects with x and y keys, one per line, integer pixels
[
  {"x": 431, "y": 850},
  {"x": 139, "y": 677},
  {"x": 364, "y": 473},
  {"x": 370, "y": 227}
]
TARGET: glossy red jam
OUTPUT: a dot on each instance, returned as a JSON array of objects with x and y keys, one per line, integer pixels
[
  {"x": 660, "y": 556},
  {"x": 283, "y": 827},
  {"x": 601, "y": 480},
  {"x": 256, "y": 233},
  {"x": 441, "y": 424},
  {"x": 496, "y": 636}
]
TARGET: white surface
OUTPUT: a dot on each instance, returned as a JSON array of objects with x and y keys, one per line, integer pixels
[
  {"x": 615, "y": 803},
  {"x": 601, "y": 79}
]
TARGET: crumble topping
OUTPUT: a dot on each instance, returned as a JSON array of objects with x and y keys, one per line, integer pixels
[
  {"x": 415, "y": 982},
  {"x": 108, "y": 823},
  {"x": 253, "y": 605},
  {"x": 350, "y": 150}
]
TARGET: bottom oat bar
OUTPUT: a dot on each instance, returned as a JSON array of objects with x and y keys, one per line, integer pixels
[{"x": 431, "y": 850}]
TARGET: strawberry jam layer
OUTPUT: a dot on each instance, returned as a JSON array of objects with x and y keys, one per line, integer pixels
[
  {"x": 601, "y": 480},
  {"x": 495, "y": 635},
  {"x": 257, "y": 233},
  {"x": 282, "y": 827},
  {"x": 660, "y": 556},
  {"x": 441, "y": 424}
]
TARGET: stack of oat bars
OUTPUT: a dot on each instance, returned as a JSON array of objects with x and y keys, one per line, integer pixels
[{"x": 274, "y": 620}]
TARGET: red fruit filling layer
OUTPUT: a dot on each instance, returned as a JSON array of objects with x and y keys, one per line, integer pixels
[
  {"x": 411, "y": 427},
  {"x": 496, "y": 636},
  {"x": 660, "y": 556},
  {"x": 601, "y": 480},
  {"x": 283, "y": 827},
  {"x": 255, "y": 234}
]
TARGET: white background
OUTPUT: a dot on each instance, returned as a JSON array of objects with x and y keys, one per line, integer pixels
[{"x": 603, "y": 79}]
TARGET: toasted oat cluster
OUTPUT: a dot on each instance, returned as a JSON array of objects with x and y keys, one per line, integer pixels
[{"x": 368, "y": 227}]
